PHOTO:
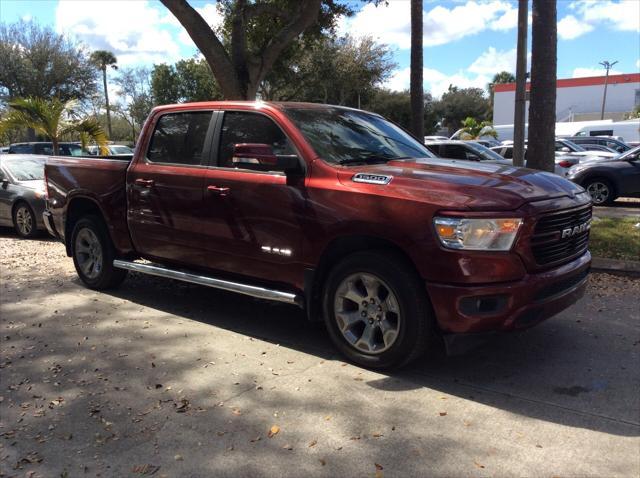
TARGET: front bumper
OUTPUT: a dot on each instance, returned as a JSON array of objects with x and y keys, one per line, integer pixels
[{"x": 511, "y": 305}]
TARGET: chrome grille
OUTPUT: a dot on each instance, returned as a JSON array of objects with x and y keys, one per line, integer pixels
[{"x": 547, "y": 244}]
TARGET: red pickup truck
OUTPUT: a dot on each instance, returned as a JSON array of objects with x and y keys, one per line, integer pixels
[{"x": 335, "y": 210}]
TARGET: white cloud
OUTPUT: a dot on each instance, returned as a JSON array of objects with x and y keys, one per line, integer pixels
[
  {"x": 477, "y": 75},
  {"x": 135, "y": 33},
  {"x": 210, "y": 14},
  {"x": 570, "y": 27},
  {"x": 391, "y": 23},
  {"x": 492, "y": 61},
  {"x": 623, "y": 15},
  {"x": 582, "y": 72},
  {"x": 637, "y": 63}
]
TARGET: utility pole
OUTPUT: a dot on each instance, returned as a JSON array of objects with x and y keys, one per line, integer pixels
[
  {"x": 521, "y": 84},
  {"x": 607, "y": 66}
]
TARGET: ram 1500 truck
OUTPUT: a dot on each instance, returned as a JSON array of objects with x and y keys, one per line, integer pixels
[{"x": 335, "y": 210}]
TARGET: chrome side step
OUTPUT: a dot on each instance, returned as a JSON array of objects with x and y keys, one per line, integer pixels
[{"x": 253, "y": 291}]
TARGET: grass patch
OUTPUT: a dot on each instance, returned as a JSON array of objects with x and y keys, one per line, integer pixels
[{"x": 615, "y": 238}]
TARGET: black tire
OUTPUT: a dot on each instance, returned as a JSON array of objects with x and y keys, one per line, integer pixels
[
  {"x": 103, "y": 275},
  {"x": 23, "y": 212},
  {"x": 598, "y": 188},
  {"x": 415, "y": 321}
]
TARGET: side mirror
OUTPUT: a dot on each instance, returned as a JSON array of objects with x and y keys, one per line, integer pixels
[
  {"x": 5, "y": 183},
  {"x": 261, "y": 157},
  {"x": 564, "y": 149},
  {"x": 254, "y": 153}
]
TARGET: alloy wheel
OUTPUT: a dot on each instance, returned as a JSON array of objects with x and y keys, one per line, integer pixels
[
  {"x": 599, "y": 192},
  {"x": 24, "y": 220},
  {"x": 367, "y": 313},
  {"x": 88, "y": 252}
]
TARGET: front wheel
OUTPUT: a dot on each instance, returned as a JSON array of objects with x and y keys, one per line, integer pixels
[
  {"x": 24, "y": 221},
  {"x": 376, "y": 310},
  {"x": 93, "y": 254},
  {"x": 601, "y": 191}
]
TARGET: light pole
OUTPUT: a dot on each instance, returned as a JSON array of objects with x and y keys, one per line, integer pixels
[{"x": 607, "y": 66}]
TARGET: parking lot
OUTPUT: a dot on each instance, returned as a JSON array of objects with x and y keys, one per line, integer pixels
[{"x": 172, "y": 379}]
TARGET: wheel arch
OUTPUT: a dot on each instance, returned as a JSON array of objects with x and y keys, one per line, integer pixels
[
  {"x": 79, "y": 207},
  {"x": 335, "y": 251},
  {"x": 599, "y": 175}
]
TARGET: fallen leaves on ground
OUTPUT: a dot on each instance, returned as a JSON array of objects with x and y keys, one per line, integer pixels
[
  {"x": 313, "y": 443},
  {"x": 273, "y": 431},
  {"x": 146, "y": 469},
  {"x": 443, "y": 414}
]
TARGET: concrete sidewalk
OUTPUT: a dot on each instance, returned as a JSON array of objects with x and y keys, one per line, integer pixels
[{"x": 173, "y": 379}]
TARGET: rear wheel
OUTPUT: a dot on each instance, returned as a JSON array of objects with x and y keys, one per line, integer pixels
[
  {"x": 376, "y": 310},
  {"x": 93, "y": 254},
  {"x": 600, "y": 190},
  {"x": 24, "y": 221}
]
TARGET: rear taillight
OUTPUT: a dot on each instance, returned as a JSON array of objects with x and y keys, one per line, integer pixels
[{"x": 565, "y": 164}]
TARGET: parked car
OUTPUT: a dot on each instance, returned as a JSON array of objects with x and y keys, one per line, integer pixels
[
  {"x": 4, "y": 149},
  {"x": 335, "y": 210},
  {"x": 113, "y": 150},
  {"x": 599, "y": 147},
  {"x": 563, "y": 161},
  {"x": 435, "y": 138},
  {"x": 607, "y": 180},
  {"x": 566, "y": 146},
  {"x": 465, "y": 150},
  {"x": 488, "y": 142},
  {"x": 613, "y": 143},
  {"x": 22, "y": 193},
  {"x": 44, "y": 148}
]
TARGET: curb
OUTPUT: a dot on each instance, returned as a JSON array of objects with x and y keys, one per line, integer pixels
[{"x": 615, "y": 266}]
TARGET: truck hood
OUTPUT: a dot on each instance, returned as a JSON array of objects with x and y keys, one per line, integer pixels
[{"x": 458, "y": 184}]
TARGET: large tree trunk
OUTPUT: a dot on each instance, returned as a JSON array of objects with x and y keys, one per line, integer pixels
[
  {"x": 106, "y": 100},
  {"x": 542, "y": 106},
  {"x": 239, "y": 74},
  {"x": 416, "y": 83},
  {"x": 519, "y": 117}
]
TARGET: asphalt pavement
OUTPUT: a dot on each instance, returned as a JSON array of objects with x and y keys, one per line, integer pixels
[{"x": 169, "y": 379}]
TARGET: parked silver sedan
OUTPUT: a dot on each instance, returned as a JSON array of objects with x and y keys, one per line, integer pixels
[{"x": 22, "y": 193}]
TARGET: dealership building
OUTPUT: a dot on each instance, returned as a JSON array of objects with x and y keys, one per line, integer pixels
[{"x": 578, "y": 99}]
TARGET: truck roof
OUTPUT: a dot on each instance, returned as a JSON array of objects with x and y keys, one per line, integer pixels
[{"x": 258, "y": 104}]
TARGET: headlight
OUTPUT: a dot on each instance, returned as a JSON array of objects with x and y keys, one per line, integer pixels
[{"x": 477, "y": 234}]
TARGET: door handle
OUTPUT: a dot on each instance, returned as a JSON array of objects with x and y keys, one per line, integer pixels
[
  {"x": 219, "y": 191},
  {"x": 144, "y": 182}
]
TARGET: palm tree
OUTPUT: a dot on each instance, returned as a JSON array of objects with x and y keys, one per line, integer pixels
[
  {"x": 54, "y": 119},
  {"x": 472, "y": 129},
  {"x": 416, "y": 82},
  {"x": 542, "y": 105},
  {"x": 102, "y": 59}
]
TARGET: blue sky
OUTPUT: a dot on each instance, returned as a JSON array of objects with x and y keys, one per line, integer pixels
[{"x": 465, "y": 41}]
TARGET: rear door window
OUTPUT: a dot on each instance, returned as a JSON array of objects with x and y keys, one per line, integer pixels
[{"x": 181, "y": 138}]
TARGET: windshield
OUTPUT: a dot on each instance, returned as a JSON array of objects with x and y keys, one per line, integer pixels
[
  {"x": 25, "y": 169},
  {"x": 568, "y": 144},
  {"x": 485, "y": 153},
  {"x": 342, "y": 136}
]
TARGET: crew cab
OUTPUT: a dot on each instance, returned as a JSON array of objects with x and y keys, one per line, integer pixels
[{"x": 334, "y": 210}]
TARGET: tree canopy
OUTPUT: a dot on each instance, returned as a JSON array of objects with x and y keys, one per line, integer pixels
[
  {"x": 459, "y": 103},
  {"x": 38, "y": 62},
  {"x": 254, "y": 35}
]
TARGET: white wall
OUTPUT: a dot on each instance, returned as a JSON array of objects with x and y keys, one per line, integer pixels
[{"x": 577, "y": 99}]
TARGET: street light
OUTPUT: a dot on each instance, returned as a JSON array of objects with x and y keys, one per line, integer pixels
[{"x": 607, "y": 66}]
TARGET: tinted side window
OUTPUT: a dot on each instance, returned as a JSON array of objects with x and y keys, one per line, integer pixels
[
  {"x": 21, "y": 149},
  {"x": 240, "y": 127},
  {"x": 434, "y": 148},
  {"x": 180, "y": 138},
  {"x": 454, "y": 151},
  {"x": 508, "y": 153}
]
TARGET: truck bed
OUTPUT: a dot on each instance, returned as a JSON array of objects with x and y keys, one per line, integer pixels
[{"x": 100, "y": 181}]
